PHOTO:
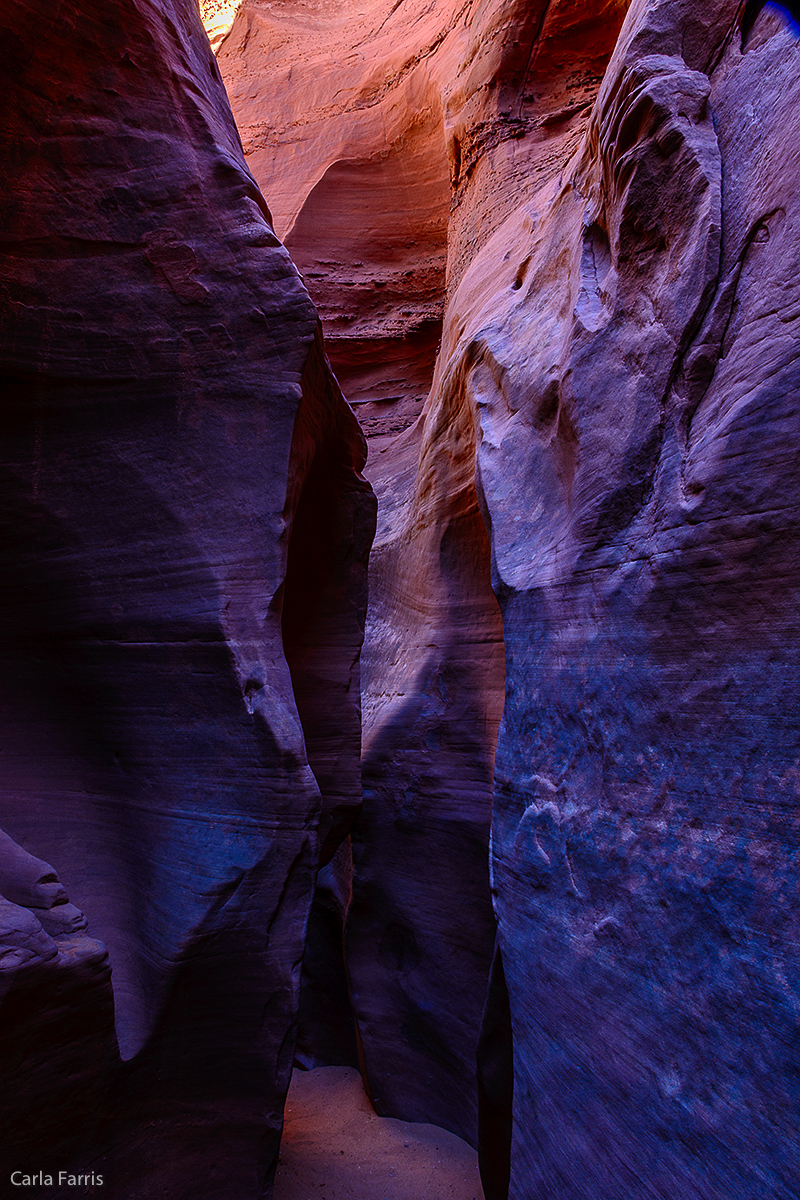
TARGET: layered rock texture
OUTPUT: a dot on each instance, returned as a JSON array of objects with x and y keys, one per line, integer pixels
[
  {"x": 555, "y": 251},
  {"x": 184, "y": 541},
  {"x": 380, "y": 133},
  {"x": 343, "y": 126},
  {"x": 616, "y": 394},
  {"x": 634, "y": 373}
]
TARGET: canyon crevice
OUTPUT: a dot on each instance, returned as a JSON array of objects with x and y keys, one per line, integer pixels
[
  {"x": 615, "y": 394},
  {"x": 491, "y": 795}
]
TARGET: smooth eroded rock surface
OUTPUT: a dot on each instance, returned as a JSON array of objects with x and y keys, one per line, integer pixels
[
  {"x": 172, "y": 444},
  {"x": 593, "y": 519},
  {"x": 392, "y": 140},
  {"x": 344, "y": 115},
  {"x": 616, "y": 388},
  {"x": 629, "y": 338}
]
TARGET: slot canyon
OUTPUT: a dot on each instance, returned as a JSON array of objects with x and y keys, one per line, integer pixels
[{"x": 400, "y": 599}]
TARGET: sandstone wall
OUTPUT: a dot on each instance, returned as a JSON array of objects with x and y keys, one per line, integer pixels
[
  {"x": 173, "y": 443},
  {"x": 615, "y": 390},
  {"x": 58, "y": 1047},
  {"x": 596, "y": 204},
  {"x": 633, "y": 364},
  {"x": 392, "y": 140}
]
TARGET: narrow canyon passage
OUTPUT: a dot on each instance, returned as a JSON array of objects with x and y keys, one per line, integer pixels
[{"x": 400, "y": 600}]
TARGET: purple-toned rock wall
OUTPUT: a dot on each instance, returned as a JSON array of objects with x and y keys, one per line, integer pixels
[
  {"x": 591, "y": 524},
  {"x": 58, "y": 1047},
  {"x": 638, "y": 382},
  {"x": 173, "y": 443}
]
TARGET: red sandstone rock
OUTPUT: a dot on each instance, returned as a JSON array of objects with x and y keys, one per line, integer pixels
[
  {"x": 378, "y": 132},
  {"x": 178, "y": 469},
  {"x": 343, "y": 127},
  {"x": 620, "y": 344}
]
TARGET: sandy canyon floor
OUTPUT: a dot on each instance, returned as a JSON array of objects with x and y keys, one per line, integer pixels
[{"x": 334, "y": 1147}]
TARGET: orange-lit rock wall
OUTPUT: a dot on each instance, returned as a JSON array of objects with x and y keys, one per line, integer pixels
[{"x": 392, "y": 141}]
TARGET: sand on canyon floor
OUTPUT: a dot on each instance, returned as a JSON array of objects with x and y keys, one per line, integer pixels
[{"x": 335, "y": 1148}]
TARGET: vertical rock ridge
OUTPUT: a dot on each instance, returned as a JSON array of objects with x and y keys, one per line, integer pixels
[{"x": 325, "y": 593}]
